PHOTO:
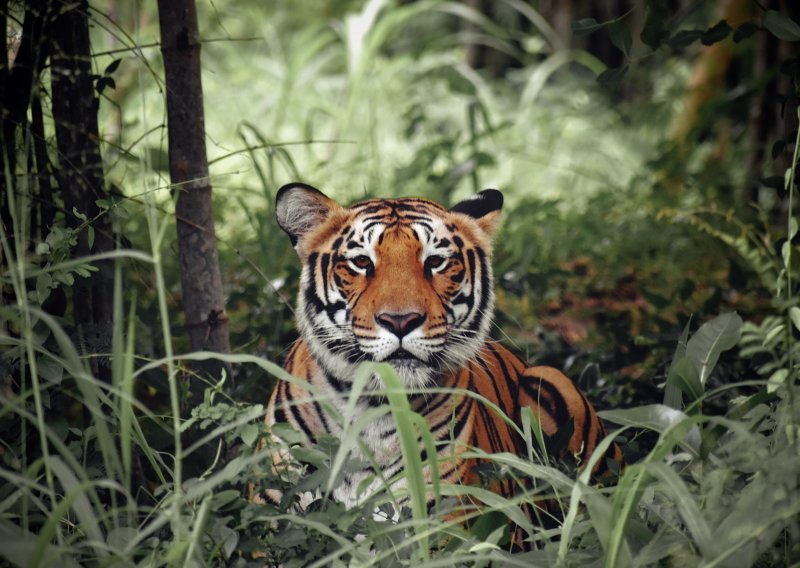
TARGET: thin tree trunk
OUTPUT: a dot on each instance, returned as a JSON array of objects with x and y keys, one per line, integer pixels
[
  {"x": 17, "y": 81},
  {"x": 80, "y": 176},
  {"x": 203, "y": 300}
]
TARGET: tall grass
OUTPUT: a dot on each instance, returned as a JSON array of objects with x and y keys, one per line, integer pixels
[{"x": 123, "y": 473}]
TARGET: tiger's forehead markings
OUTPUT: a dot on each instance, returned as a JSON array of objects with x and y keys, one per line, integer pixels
[{"x": 376, "y": 216}]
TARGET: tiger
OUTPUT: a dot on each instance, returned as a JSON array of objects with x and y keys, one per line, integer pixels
[{"x": 409, "y": 283}]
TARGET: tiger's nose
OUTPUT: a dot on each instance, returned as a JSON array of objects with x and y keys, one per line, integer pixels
[{"x": 400, "y": 324}]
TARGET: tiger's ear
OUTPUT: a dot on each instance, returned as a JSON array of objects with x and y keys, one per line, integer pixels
[
  {"x": 485, "y": 207},
  {"x": 300, "y": 207}
]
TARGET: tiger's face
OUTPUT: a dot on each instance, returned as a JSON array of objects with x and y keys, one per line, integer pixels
[{"x": 404, "y": 281}]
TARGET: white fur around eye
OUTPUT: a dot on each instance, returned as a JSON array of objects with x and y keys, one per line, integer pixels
[
  {"x": 361, "y": 263},
  {"x": 436, "y": 263}
]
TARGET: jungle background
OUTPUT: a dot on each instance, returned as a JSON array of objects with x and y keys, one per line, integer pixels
[{"x": 647, "y": 154}]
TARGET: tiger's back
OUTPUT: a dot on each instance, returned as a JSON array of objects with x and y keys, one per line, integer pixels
[{"x": 409, "y": 283}]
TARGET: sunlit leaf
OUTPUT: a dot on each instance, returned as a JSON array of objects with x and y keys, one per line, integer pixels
[
  {"x": 777, "y": 379},
  {"x": 794, "y": 315}
]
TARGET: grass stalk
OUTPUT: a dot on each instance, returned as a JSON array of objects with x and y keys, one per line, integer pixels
[{"x": 157, "y": 231}]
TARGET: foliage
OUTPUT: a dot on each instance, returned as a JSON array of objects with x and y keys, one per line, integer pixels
[{"x": 616, "y": 235}]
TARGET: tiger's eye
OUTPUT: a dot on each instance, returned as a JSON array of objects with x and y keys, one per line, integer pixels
[
  {"x": 434, "y": 262},
  {"x": 362, "y": 261}
]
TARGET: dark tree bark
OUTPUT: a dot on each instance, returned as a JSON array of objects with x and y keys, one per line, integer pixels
[
  {"x": 18, "y": 82},
  {"x": 80, "y": 174},
  {"x": 203, "y": 301}
]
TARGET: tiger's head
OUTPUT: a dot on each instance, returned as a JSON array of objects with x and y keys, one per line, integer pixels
[{"x": 404, "y": 281}]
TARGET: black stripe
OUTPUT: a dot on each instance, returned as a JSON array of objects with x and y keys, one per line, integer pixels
[
  {"x": 513, "y": 386},
  {"x": 492, "y": 382},
  {"x": 322, "y": 417},
  {"x": 331, "y": 309},
  {"x": 490, "y": 429},
  {"x": 323, "y": 268},
  {"x": 336, "y": 384},
  {"x": 312, "y": 300},
  {"x": 552, "y": 401},
  {"x": 485, "y": 283},
  {"x": 298, "y": 417},
  {"x": 280, "y": 413}
]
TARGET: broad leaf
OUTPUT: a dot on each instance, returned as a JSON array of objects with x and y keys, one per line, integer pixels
[
  {"x": 683, "y": 377},
  {"x": 656, "y": 417},
  {"x": 672, "y": 391},
  {"x": 620, "y": 35},
  {"x": 713, "y": 337}
]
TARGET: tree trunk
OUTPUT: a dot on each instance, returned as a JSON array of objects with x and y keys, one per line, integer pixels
[
  {"x": 203, "y": 301},
  {"x": 18, "y": 80},
  {"x": 80, "y": 177}
]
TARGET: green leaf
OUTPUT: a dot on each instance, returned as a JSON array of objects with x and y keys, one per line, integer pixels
[
  {"x": 621, "y": 36},
  {"x": 672, "y": 391},
  {"x": 684, "y": 38},
  {"x": 683, "y": 376},
  {"x": 794, "y": 315},
  {"x": 716, "y": 33},
  {"x": 773, "y": 334},
  {"x": 50, "y": 370},
  {"x": 654, "y": 33},
  {"x": 90, "y": 236},
  {"x": 713, "y": 337},
  {"x": 288, "y": 434},
  {"x": 777, "y": 379},
  {"x": 104, "y": 82},
  {"x": 786, "y": 253},
  {"x": 249, "y": 434},
  {"x": 44, "y": 284},
  {"x": 119, "y": 538},
  {"x": 111, "y": 67},
  {"x": 78, "y": 214},
  {"x": 310, "y": 455},
  {"x": 781, "y": 26},
  {"x": 656, "y": 417},
  {"x": 585, "y": 26},
  {"x": 612, "y": 75},
  {"x": 221, "y": 499},
  {"x": 744, "y": 31},
  {"x": 688, "y": 506}
]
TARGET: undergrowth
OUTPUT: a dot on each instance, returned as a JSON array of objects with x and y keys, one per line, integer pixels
[{"x": 132, "y": 473}]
